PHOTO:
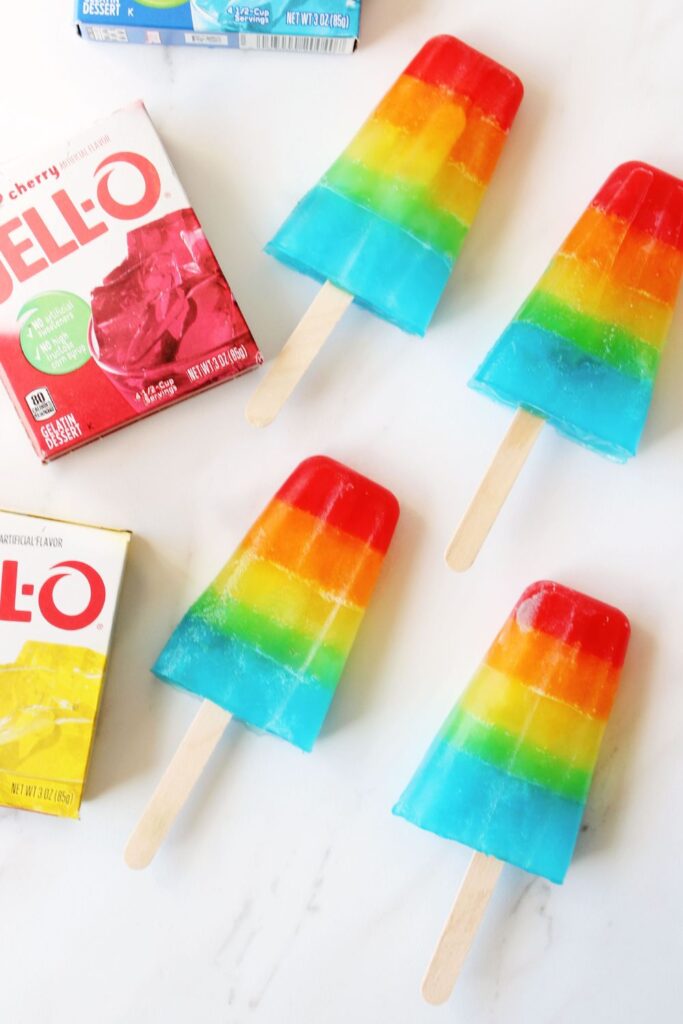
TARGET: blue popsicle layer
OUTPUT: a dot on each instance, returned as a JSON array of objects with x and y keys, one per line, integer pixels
[
  {"x": 387, "y": 269},
  {"x": 584, "y": 398},
  {"x": 245, "y": 682},
  {"x": 461, "y": 797}
]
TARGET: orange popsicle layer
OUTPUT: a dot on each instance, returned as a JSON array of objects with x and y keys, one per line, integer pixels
[
  {"x": 342, "y": 565},
  {"x": 634, "y": 259},
  {"x": 559, "y": 670}
]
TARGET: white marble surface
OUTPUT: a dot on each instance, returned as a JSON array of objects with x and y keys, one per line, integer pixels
[{"x": 287, "y": 892}]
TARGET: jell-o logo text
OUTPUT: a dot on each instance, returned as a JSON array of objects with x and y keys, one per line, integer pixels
[
  {"x": 32, "y": 242},
  {"x": 17, "y": 602}
]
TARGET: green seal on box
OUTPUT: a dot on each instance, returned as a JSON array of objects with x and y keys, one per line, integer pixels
[{"x": 54, "y": 332}]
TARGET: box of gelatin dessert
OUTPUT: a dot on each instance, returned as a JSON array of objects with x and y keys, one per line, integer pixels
[
  {"x": 302, "y": 26},
  {"x": 59, "y": 585},
  {"x": 112, "y": 303}
]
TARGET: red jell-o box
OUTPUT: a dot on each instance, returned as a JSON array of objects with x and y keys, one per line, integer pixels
[{"x": 112, "y": 303}]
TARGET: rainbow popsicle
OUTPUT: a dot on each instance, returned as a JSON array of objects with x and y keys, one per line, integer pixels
[
  {"x": 584, "y": 349},
  {"x": 387, "y": 221},
  {"x": 510, "y": 770},
  {"x": 268, "y": 640}
]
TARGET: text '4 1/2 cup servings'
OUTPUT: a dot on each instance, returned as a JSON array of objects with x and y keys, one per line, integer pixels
[
  {"x": 510, "y": 770},
  {"x": 583, "y": 351},
  {"x": 112, "y": 303},
  {"x": 386, "y": 223},
  {"x": 267, "y": 642}
]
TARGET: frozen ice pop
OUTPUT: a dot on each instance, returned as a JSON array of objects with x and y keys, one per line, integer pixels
[
  {"x": 386, "y": 223},
  {"x": 268, "y": 640},
  {"x": 510, "y": 771},
  {"x": 583, "y": 351},
  {"x": 388, "y": 219}
]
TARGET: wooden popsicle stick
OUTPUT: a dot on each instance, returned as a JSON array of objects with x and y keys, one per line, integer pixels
[
  {"x": 287, "y": 369},
  {"x": 176, "y": 784},
  {"x": 460, "y": 928},
  {"x": 483, "y": 511}
]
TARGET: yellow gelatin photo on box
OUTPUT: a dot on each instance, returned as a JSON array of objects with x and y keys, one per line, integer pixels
[{"x": 59, "y": 586}]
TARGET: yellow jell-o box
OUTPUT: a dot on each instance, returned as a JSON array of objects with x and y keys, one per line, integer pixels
[{"x": 59, "y": 585}]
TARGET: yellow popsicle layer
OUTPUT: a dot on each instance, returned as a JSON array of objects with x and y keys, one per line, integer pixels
[
  {"x": 457, "y": 192},
  {"x": 289, "y": 602},
  {"x": 506, "y": 703},
  {"x": 586, "y": 288},
  {"x": 416, "y": 158}
]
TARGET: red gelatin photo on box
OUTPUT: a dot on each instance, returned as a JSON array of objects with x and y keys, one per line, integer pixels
[{"x": 112, "y": 303}]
